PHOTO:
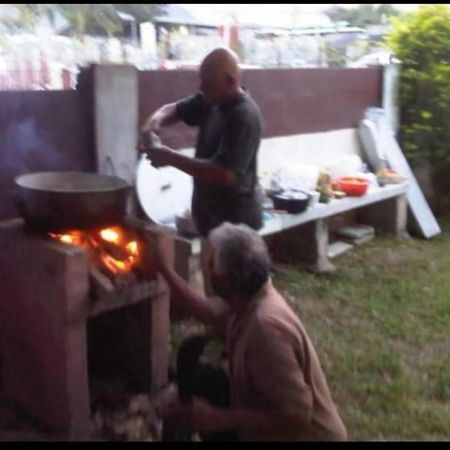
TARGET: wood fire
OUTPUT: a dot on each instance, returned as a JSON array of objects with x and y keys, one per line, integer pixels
[{"x": 114, "y": 248}]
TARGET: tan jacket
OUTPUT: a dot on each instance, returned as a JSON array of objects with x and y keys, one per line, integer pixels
[{"x": 272, "y": 363}]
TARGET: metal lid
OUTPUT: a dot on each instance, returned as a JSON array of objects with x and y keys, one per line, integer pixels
[{"x": 163, "y": 193}]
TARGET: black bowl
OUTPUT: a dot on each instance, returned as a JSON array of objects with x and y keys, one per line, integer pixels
[{"x": 292, "y": 202}]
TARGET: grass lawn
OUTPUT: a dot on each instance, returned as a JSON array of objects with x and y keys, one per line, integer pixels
[{"x": 381, "y": 326}]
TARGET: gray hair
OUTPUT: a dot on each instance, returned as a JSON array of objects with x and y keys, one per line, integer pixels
[{"x": 242, "y": 256}]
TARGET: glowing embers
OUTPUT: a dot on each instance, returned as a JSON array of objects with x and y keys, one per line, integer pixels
[{"x": 116, "y": 249}]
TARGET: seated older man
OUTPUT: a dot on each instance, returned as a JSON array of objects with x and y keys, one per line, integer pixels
[{"x": 278, "y": 388}]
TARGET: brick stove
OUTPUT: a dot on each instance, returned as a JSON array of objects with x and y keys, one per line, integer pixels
[{"x": 52, "y": 293}]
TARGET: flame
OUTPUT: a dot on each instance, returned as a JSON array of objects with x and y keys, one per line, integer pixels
[
  {"x": 112, "y": 234},
  {"x": 133, "y": 248},
  {"x": 73, "y": 237},
  {"x": 116, "y": 236},
  {"x": 116, "y": 266},
  {"x": 93, "y": 241}
]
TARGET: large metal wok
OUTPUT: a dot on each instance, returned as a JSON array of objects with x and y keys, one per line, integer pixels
[{"x": 55, "y": 201}]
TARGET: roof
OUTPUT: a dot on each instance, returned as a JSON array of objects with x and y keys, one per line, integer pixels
[
  {"x": 313, "y": 31},
  {"x": 126, "y": 17},
  {"x": 176, "y": 14}
]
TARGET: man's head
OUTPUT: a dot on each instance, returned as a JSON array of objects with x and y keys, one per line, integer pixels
[
  {"x": 239, "y": 262},
  {"x": 219, "y": 76}
]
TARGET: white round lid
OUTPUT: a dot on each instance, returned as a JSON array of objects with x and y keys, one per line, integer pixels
[{"x": 163, "y": 193}]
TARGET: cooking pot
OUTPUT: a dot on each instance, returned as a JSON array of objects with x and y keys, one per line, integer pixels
[
  {"x": 294, "y": 202},
  {"x": 56, "y": 201}
]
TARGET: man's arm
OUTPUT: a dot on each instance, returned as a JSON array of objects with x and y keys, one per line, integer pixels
[
  {"x": 163, "y": 117},
  {"x": 207, "y": 418},
  {"x": 201, "y": 169},
  {"x": 196, "y": 304},
  {"x": 204, "y": 310},
  {"x": 191, "y": 110}
]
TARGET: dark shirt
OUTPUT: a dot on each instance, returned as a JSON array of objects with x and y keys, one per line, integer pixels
[{"x": 229, "y": 136}]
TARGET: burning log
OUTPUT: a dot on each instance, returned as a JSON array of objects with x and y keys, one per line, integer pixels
[{"x": 113, "y": 250}]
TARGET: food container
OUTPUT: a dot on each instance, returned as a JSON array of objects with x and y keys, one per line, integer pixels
[
  {"x": 315, "y": 196},
  {"x": 353, "y": 186},
  {"x": 294, "y": 202},
  {"x": 389, "y": 176}
]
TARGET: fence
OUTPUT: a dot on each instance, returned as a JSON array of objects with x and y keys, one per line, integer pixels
[{"x": 32, "y": 80}]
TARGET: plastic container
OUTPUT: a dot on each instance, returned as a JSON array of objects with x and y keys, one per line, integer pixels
[{"x": 353, "y": 186}]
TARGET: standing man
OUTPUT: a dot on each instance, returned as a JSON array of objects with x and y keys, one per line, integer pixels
[{"x": 225, "y": 164}]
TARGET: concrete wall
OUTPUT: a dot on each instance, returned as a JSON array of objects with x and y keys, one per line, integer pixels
[
  {"x": 292, "y": 101},
  {"x": 39, "y": 131},
  {"x": 54, "y": 130},
  {"x": 318, "y": 149}
]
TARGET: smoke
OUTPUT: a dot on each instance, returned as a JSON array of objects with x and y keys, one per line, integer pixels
[{"x": 24, "y": 148}]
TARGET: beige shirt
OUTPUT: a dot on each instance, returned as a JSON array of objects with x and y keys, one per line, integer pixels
[{"x": 273, "y": 363}]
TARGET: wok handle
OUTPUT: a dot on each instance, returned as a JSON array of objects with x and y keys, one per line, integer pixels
[{"x": 109, "y": 162}]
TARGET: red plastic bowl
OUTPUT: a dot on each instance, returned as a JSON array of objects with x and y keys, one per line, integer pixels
[{"x": 352, "y": 186}]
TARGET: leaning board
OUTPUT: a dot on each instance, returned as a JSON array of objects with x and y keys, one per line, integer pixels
[{"x": 376, "y": 129}]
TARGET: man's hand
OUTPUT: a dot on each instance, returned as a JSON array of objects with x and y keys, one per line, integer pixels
[
  {"x": 206, "y": 417},
  {"x": 153, "y": 123},
  {"x": 167, "y": 403},
  {"x": 159, "y": 156},
  {"x": 198, "y": 414},
  {"x": 164, "y": 116}
]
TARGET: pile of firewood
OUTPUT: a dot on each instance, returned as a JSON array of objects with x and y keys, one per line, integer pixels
[{"x": 134, "y": 422}]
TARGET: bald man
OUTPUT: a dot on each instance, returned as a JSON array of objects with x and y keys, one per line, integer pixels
[{"x": 225, "y": 164}]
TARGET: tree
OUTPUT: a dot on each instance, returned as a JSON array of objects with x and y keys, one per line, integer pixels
[
  {"x": 84, "y": 18},
  {"x": 26, "y": 16},
  {"x": 141, "y": 12},
  {"x": 362, "y": 15},
  {"x": 336, "y": 13},
  {"x": 421, "y": 40}
]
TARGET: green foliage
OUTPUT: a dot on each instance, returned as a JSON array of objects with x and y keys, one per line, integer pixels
[
  {"x": 362, "y": 15},
  {"x": 84, "y": 18},
  {"x": 335, "y": 56},
  {"x": 421, "y": 40},
  {"x": 27, "y": 16}
]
